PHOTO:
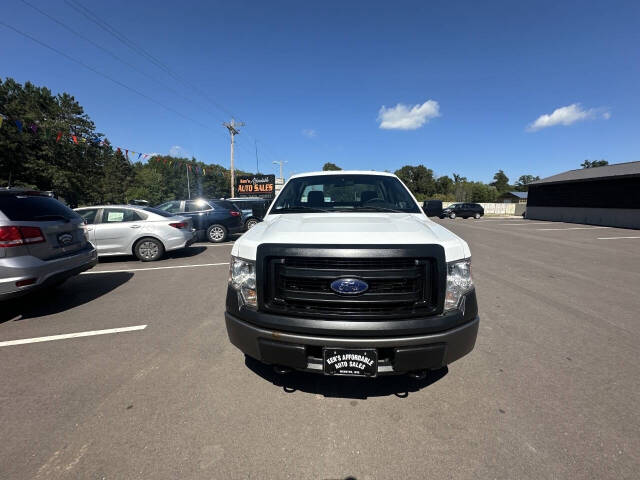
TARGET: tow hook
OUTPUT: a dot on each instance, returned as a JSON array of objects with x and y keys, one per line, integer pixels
[
  {"x": 418, "y": 374},
  {"x": 281, "y": 370}
]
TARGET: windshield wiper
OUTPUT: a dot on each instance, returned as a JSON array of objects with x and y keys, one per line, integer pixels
[
  {"x": 378, "y": 209},
  {"x": 52, "y": 217},
  {"x": 300, "y": 208}
]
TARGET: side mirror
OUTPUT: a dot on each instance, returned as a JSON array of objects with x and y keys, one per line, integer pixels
[{"x": 432, "y": 208}]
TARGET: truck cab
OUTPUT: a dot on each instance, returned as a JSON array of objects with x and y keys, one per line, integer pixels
[{"x": 346, "y": 275}]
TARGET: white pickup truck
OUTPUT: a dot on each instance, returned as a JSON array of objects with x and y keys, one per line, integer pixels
[{"x": 348, "y": 276}]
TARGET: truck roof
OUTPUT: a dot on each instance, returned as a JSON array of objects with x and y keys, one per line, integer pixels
[{"x": 343, "y": 172}]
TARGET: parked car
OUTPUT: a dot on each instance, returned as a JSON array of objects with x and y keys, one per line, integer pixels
[
  {"x": 42, "y": 242},
  {"x": 464, "y": 210},
  {"x": 144, "y": 232},
  {"x": 347, "y": 276},
  {"x": 432, "y": 208},
  {"x": 213, "y": 220},
  {"x": 253, "y": 210}
]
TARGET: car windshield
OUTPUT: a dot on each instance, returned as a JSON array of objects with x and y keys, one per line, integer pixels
[{"x": 345, "y": 193}]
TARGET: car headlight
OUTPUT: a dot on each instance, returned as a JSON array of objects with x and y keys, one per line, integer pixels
[
  {"x": 242, "y": 277},
  {"x": 459, "y": 282}
]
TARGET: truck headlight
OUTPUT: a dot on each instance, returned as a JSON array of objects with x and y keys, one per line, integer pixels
[
  {"x": 459, "y": 282},
  {"x": 242, "y": 277}
]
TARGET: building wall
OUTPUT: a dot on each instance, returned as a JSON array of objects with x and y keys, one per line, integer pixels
[{"x": 609, "y": 217}]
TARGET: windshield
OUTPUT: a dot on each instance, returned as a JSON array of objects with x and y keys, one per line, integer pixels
[{"x": 345, "y": 193}]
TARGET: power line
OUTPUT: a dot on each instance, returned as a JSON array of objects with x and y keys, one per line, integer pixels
[
  {"x": 154, "y": 60},
  {"x": 112, "y": 54},
  {"x": 141, "y": 51},
  {"x": 111, "y": 79}
]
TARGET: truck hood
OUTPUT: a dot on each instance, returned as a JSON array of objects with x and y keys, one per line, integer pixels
[{"x": 336, "y": 228}]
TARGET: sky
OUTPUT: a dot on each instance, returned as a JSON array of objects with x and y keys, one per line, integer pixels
[{"x": 466, "y": 87}]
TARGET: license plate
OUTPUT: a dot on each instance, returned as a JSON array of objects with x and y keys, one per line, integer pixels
[{"x": 350, "y": 362}]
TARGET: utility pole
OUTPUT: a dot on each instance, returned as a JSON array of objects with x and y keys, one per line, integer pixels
[
  {"x": 233, "y": 131},
  {"x": 281, "y": 163}
]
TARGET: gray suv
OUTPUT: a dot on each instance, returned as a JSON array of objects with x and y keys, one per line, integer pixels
[{"x": 42, "y": 243}]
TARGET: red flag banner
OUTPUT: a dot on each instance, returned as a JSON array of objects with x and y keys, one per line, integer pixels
[{"x": 58, "y": 137}]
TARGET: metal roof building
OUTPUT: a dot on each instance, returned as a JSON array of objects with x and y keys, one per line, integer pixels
[
  {"x": 608, "y": 195},
  {"x": 513, "y": 197}
]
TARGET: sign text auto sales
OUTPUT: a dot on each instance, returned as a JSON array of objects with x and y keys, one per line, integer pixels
[{"x": 257, "y": 185}]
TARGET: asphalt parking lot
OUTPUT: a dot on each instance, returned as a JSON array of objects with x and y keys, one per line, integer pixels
[{"x": 552, "y": 389}]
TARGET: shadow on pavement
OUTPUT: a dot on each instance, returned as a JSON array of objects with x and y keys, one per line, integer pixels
[
  {"x": 188, "y": 252},
  {"x": 74, "y": 292},
  {"x": 344, "y": 387}
]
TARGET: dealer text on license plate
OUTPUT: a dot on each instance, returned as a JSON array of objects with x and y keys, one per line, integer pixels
[{"x": 350, "y": 362}]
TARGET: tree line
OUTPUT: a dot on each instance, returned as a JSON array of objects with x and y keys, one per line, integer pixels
[{"x": 89, "y": 172}]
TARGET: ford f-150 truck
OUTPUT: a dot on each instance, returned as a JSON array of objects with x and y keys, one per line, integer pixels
[{"x": 347, "y": 276}]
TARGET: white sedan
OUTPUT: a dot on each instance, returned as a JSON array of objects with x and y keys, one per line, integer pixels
[{"x": 136, "y": 230}]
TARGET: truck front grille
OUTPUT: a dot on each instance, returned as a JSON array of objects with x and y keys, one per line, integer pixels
[{"x": 398, "y": 287}]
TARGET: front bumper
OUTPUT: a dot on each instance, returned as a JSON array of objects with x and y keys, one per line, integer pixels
[
  {"x": 397, "y": 354},
  {"x": 46, "y": 272}
]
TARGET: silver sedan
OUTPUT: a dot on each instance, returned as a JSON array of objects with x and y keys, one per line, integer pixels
[{"x": 142, "y": 231}]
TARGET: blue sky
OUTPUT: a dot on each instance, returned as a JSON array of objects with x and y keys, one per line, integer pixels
[{"x": 465, "y": 86}]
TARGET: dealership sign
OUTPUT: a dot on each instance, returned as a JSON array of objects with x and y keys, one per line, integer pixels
[{"x": 256, "y": 185}]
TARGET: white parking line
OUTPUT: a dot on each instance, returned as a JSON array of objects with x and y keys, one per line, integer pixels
[
  {"x": 71, "y": 335},
  {"x": 570, "y": 228},
  {"x": 91, "y": 272},
  {"x": 530, "y": 223},
  {"x": 614, "y": 238}
]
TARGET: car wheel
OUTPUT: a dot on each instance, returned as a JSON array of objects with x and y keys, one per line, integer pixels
[
  {"x": 452, "y": 215},
  {"x": 252, "y": 222},
  {"x": 476, "y": 216},
  {"x": 216, "y": 233},
  {"x": 149, "y": 250}
]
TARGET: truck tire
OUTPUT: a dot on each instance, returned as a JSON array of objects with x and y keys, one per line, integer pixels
[{"x": 216, "y": 233}]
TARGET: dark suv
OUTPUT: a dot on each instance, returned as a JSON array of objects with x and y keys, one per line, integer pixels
[
  {"x": 213, "y": 220},
  {"x": 42, "y": 242},
  {"x": 464, "y": 210},
  {"x": 253, "y": 209}
]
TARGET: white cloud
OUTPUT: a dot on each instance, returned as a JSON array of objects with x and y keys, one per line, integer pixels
[
  {"x": 309, "y": 133},
  {"x": 407, "y": 117},
  {"x": 567, "y": 116}
]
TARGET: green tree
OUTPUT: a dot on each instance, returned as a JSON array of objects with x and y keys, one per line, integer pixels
[
  {"x": 444, "y": 186},
  {"x": 594, "y": 163},
  {"x": 330, "y": 167},
  {"x": 501, "y": 182},
  {"x": 522, "y": 185},
  {"x": 419, "y": 179}
]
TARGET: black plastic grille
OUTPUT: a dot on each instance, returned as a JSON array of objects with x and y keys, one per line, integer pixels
[{"x": 398, "y": 287}]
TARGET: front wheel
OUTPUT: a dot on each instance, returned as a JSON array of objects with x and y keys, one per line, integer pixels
[
  {"x": 216, "y": 233},
  {"x": 452, "y": 215},
  {"x": 149, "y": 250},
  {"x": 252, "y": 222},
  {"x": 476, "y": 216}
]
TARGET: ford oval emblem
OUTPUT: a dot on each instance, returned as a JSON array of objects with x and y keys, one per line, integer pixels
[{"x": 349, "y": 286}]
